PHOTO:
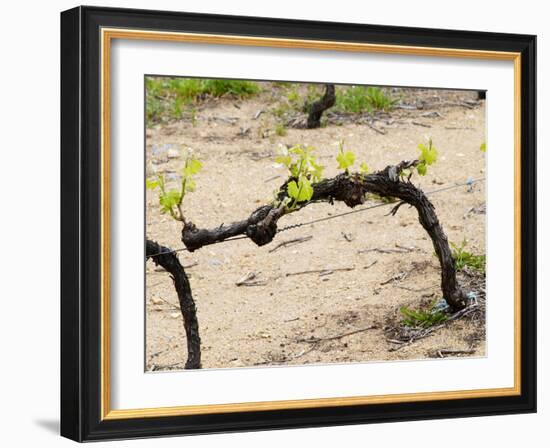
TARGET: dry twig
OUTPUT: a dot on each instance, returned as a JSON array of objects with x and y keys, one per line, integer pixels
[
  {"x": 447, "y": 351},
  {"x": 321, "y": 272},
  {"x": 418, "y": 123},
  {"x": 291, "y": 242},
  {"x": 249, "y": 279},
  {"x": 374, "y": 128},
  {"x": 313, "y": 340}
]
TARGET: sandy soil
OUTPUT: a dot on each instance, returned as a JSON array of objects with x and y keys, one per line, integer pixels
[{"x": 271, "y": 323}]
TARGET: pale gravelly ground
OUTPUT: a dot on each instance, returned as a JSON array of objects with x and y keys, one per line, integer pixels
[{"x": 262, "y": 325}]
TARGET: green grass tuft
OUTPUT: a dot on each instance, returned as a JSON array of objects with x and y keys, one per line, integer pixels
[
  {"x": 168, "y": 98},
  {"x": 357, "y": 99},
  {"x": 464, "y": 258},
  {"x": 422, "y": 318},
  {"x": 280, "y": 129}
]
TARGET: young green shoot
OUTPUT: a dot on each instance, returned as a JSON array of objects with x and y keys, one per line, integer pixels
[
  {"x": 345, "y": 159},
  {"x": 364, "y": 168},
  {"x": 170, "y": 200},
  {"x": 428, "y": 156},
  {"x": 303, "y": 170}
]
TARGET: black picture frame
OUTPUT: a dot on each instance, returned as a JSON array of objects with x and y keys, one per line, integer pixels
[{"x": 81, "y": 223}]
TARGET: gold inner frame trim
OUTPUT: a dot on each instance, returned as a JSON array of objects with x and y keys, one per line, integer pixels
[{"x": 107, "y": 35}]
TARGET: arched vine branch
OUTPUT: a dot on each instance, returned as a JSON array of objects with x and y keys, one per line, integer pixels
[{"x": 351, "y": 189}]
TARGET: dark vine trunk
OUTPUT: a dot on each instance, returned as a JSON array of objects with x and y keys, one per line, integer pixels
[
  {"x": 408, "y": 193},
  {"x": 315, "y": 110},
  {"x": 165, "y": 257},
  {"x": 261, "y": 225}
]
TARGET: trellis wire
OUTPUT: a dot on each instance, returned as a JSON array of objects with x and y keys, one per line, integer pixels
[{"x": 469, "y": 183}]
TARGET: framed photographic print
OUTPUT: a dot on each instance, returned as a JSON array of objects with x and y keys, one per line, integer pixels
[{"x": 272, "y": 223}]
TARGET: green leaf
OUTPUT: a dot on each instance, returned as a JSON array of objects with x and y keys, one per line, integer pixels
[
  {"x": 306, "y": 190},
  {"x": 428, "y": 154},
  {"x": 151, "y": 183},
  {"x": 299, "y": 150},
  {"x": 345, "y": 159},
  {"x": 364, "y": 168},
  {"x": 169, "y": 200},
  {"x": 483, "y": 147},
  {"x": 294, "y": 170},
  {"x": 286, "y": 160},
  {"x": 316, "y": 170},
  {"x": 300, "y": 161},
  {"x": 194, "y": 166},
  {"x": 422, "y": 169},
  {"x": 292, "y": 189},
  {"x": 301, "y": 191},
  {"x": 190, "y": 185}
]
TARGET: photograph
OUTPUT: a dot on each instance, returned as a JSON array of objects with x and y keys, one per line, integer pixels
[{"x": 291, "y": 223}]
